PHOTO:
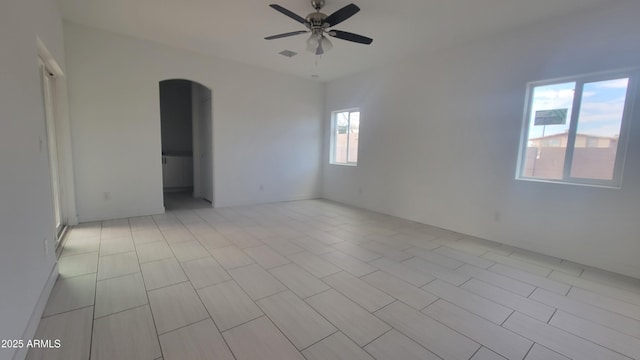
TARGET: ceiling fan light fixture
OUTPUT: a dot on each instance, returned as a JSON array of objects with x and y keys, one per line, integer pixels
[
  {"x": 325, "y": 43},
  {"x": 313, "y": 42},
  {"x": 318, "y": 44}
]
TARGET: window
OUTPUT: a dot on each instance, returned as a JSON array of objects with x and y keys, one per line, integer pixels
[
  {"x": 345, "y": 129},
  {"x": 575, "y": 129}
]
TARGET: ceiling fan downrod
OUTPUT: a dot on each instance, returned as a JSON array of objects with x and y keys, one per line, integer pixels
[{"x": 317, "y": 4}]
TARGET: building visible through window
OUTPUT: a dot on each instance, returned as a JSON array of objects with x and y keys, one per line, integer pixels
[
  {"x": 345, "y": 137},
  {"x": 575, "y": 130}
]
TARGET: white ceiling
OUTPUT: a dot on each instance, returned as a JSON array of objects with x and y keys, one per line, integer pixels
[{"x": 234, "y": 29}]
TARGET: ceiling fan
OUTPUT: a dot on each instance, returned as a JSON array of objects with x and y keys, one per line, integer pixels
[{"x": 318, "y": 25}]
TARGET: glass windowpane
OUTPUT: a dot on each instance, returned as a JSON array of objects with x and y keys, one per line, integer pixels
[
  {"x": 598, "y": 130},
  {"x": 354, "y": 129},
  {"x": 549, "y": 121},
  {"x": 340, "y": 140}
]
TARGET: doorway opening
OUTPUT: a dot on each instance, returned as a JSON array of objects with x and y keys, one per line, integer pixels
[{"x": 187, "y": 142}]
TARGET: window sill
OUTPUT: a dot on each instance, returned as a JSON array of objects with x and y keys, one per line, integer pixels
[
  {"x": 564, "y": 182},
  {"x": 343, "y": 164}
]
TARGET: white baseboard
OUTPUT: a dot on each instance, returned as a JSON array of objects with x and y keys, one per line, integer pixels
[
  {"x": 34, "y": 320},
  {"x": 121, "y": 215},
  {"x": 220, "y": 204},
  {"x": 72, "y": 220}
]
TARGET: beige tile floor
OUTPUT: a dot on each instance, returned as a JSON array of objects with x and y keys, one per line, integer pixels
[{"x": 318, "y": 280}]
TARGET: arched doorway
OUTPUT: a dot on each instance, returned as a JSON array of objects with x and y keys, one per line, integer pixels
[{"x": 187, "y": 143}]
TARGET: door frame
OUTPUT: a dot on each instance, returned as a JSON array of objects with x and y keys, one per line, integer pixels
[
  {"x": 201, "y": 152},
  {"x": 47, "y": 78},
  {"x": 56, "y": 109},
  {"x": 202, "y": 124}
]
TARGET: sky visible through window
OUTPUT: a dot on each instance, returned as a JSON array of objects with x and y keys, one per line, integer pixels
[{"x": 600, "y": 112}]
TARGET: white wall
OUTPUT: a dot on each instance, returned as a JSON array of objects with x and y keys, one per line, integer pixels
[
  {"x": 267, "y": 125},
  {"x": 439, "y": 141},
  {"x": 26, "y": 210}
]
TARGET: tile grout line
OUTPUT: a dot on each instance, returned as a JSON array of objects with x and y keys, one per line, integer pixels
[
  {"x": 285, "y": 335},
  {"x": 531, "y": 348},
  {"x": 581, "y": 337},
  {"x": 67, "y": 311},
  {"x": 95, "y": 296},
  {"x": 450, "y": 328},
  {"x": 480, "y": 348},
  {"x": 146, "y": 293},
  {"x": 324, "y": 338},
  {"x": 391, "y": 328}
]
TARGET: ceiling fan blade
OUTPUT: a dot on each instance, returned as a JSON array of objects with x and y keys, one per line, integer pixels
[
  {"x": 289, "y": 13},
  {"x": 342, "y": 15},
  {"x": 286, "y": 34},
  {"x": 350, "y": 37}
]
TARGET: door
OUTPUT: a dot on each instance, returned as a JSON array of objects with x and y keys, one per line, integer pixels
[{"x": 48, "y": 94}]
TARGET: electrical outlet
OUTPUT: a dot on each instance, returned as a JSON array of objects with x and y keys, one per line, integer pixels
[
  {"x": 261, "y": 187},
  {"x": 46, "y": 247},
  {"x": 107, "y": 195}
]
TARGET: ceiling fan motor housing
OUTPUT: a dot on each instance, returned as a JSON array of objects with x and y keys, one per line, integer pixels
[{"x": 316, "y": 20}]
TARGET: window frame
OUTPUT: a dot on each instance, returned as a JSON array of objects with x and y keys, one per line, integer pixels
[
  {"x": 332, "y": 154},
  {"x": 633, "y": 74}
]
